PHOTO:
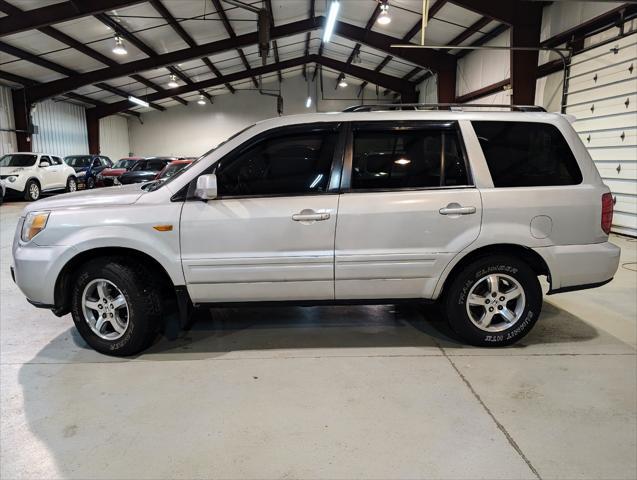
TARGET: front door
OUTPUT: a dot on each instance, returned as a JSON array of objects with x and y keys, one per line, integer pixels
[
  {"x": 407, "y": 208},
  {"x": 270, "y": 233}
]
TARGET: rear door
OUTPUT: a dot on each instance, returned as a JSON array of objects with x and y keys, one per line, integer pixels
[
  {"x": 408, "y": 206},
  {"x": 270, "y": 233},
  {"x": 50, "y": 175}
]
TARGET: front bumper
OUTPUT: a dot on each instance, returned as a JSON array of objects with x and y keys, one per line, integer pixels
[
  {"x": 576, "y": 267},
  {"x": 16, "y": 187},
  {"x": 35, "y": 269}
]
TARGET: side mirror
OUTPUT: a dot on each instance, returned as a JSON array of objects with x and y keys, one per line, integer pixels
[
  {"x": 44, "y": 163},
  {"x": 206, "y": 188}
]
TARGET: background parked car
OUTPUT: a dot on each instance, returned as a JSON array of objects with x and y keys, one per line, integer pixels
[
  {"x": 87, "y": 167},
  {"x": 172, "y": 168},
  {"x": 2, "y": 190},
  {"x": 29, "y": 174},
  {"x": 145, "y": 170},
  {"x": 107, "y": 177}
]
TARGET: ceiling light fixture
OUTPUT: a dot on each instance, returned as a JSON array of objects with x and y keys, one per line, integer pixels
[
  {"x": 308, "y": 102},
  {"x": 173, "y": 81},
  {"x": 201, "y": 100},
  {"x": 384, "y": 18},
  {"x": 138, "y": 101},
  {"x": 331, "y": 20},
  {"x": 342, "y": 83},
  {"x": 119, "y": 48}
]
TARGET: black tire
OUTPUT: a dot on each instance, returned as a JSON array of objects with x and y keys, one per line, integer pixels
[
  {"x": 71, "y": 184},
  {"x": 142, "y": 296},
  {"x": 473, "y": 275},
  {"x": 32, "y": 194},
  {"x": 90, "y": 183}
]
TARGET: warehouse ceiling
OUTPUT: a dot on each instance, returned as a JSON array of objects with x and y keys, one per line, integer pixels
[{"x": 65, "y": 48}]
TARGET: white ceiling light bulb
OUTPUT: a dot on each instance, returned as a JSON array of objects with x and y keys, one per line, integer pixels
[
  {"x": 342, "y": 83},
  {"x": 173, "y": 81},
  {"x": 384, "y": 18},
  {"x": 331, "y": 20},
  {"x": 201, "y": 100},
  {"x": 308, "y": 102},
  {"x": 119, "y": 48}
]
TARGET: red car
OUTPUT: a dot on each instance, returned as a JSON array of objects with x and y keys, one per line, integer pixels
[
  {"x": 172, "y": 168},
  {"x": 108, "y": 176}
]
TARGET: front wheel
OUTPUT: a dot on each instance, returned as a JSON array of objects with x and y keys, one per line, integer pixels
[
  {"x": 90, "y": 183},
  {"x": 494, "y": 301},
  {"x": 115, "y": 307},
  {"x": 71, "y": 184},
  {"x": 32, "y": 191}
]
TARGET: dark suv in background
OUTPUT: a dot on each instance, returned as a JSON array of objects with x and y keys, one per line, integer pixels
[
  {"x": 87, "y": 168},
  {"x": 145, "y": 170}
]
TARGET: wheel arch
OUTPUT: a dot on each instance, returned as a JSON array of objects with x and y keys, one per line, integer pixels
[
  {"x": 63, "y": 281},
  {"x": 526, "y": 254}
]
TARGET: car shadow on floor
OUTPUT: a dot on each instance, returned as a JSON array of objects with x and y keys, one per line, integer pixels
[{"x": 405, "y": 329}]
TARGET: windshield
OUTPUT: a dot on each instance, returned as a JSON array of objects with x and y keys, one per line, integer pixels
[
  {"x": 172, "y": 169},
  {"x": 159, "y": 183},
  {"x": 18, "y": 160},
  {"x": 125, "y": 163},
  {"x": 83, "y": 161}
]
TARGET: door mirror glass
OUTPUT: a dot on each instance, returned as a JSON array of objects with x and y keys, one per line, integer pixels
[
  {"x": 44, "y": 163},
  {"x": 206, "y": 187}
]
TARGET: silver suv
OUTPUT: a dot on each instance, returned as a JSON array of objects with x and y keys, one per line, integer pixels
[{"x": 464, "y": 208}]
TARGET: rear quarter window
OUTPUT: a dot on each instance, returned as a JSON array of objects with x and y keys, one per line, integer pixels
[{"x": 527, "y": 154}]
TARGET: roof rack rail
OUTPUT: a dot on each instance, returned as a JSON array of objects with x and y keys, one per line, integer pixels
[{"x": 439, "y": 106}]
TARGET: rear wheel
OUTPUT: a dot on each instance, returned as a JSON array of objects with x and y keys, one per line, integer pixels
[
  {"x": 115, "y": 306},
  {"x": 32, "y": 191},
  {"x": 71, "y": 184},
  {"x": 494, "y": 301}
]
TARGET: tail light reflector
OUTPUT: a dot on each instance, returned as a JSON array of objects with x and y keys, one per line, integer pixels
[{"x": 607, "y": 212}]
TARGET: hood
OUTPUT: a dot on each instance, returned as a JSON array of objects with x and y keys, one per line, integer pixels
[
  {"x": 112, "y": 172},
  {"x": 13, "y": 170},
  {"x": 120, "y": 195}
]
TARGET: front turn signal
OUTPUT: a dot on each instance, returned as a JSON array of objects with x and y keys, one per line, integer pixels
[{"x": 33, "y": 224}]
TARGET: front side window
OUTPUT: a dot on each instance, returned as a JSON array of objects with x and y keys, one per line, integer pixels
[
  {"x": 17, "y": 160},
  {"x": 78, "y": 161},
  {"x": 294, "y": 163},
  {"x": 527, "y": 154},
  {"x": 396, "y": 158}
]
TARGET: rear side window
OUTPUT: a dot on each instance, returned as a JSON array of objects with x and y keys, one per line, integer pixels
[
  {"x": 396, "y": 158},
  {"x": 527, "y": 154}
]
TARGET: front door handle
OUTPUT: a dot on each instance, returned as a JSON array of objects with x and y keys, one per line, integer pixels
[
  {"x": 309, "y": 215},
  {"x": 455, "y": 209}
]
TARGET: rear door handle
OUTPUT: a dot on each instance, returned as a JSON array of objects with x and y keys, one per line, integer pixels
[
  {"x": 309, "y": 215},
  {"x": 457, "y": 210}
]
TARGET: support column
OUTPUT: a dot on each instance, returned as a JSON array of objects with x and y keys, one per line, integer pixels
[
  {"x": 22, "y": 119},
  {"x": 93, "y": 129},
  {"x": 446, "y": 83},
  {"x": 525, "y": 33}
]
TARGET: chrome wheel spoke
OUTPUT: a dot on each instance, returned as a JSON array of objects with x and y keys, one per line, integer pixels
[
  {"x": 118, "y": 302},
  {"x": 494, "y": 284},
  {"x": 101, "y": 290},
  {"x": 477, "y": 300},
  {"x": 508, "y": 315},
  {"x": 116, "y": 326},
  {"x": 486, "y": 318},
  {"x": 92, "y": 304},
  {"x": 99, "y": 324},
  {"x": 512, "y": 294}
]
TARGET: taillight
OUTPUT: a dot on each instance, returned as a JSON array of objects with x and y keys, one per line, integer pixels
[{"x": 607, "y": 212}]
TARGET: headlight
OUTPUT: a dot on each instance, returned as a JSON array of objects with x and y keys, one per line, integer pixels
[
  {"x": 81, "y": 174},
  {"x": 12, "y": 178},
  {"x": 33, "y": 224}
]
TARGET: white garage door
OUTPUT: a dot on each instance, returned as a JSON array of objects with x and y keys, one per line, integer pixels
[{"x": 602, "y": 94}]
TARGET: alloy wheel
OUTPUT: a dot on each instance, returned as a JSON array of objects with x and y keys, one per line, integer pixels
[
  {"x": 105, "y": 309},
  {"x": 496, "y": 302}
]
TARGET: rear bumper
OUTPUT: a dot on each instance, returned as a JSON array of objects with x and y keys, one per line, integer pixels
[{"x": 577, "y": 267}]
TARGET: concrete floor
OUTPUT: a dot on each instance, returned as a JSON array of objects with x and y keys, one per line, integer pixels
[{"x": 342, "y": 392}]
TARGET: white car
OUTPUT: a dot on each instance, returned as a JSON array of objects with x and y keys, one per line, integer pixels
[
  {"x": 465, "y": 208},
  {"x": 29, "y": 174}
]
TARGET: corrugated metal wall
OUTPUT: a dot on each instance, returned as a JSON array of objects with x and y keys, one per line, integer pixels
[
  {"x": 62, "y": 129},
  {"x": 114, "y": 140},
  {"x": 8, "y": 142},
  {"x": 602, "y": 95}
]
